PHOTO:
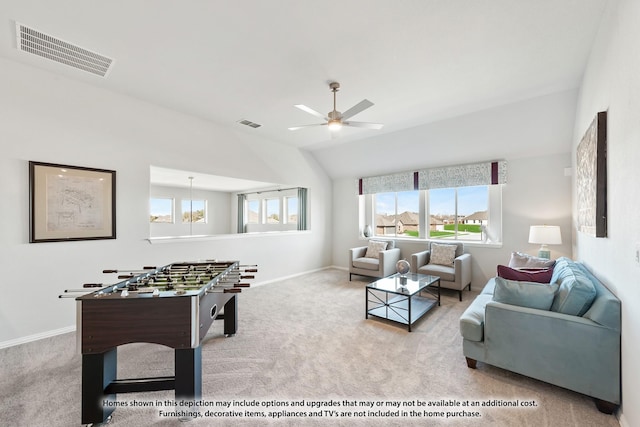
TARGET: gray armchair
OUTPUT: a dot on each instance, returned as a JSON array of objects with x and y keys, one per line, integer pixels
[
  {"x": 456, "y": 276},
  {"x": 382, "y": 266}
]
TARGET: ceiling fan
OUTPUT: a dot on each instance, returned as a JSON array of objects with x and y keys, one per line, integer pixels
[{"x": 335, "y": 119}]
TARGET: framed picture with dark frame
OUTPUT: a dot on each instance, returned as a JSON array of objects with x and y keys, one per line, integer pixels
[
  {"x": 71, "y": 203},
  {"x": 591, "y": 180}
]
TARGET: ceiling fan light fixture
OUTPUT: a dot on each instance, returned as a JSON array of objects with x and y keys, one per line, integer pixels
[{"x": 335, "y": 124}]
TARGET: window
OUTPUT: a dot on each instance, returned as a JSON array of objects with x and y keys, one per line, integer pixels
[
  {"x": 397, "y": 214},
  {"x": 458, "y": 213},
  {"x": 161, "y": 210},
  {"x": 194, "y": 211},
  {"x": 272, "y": 211},
  {"x": 253, "y": 211},
  {"x": 291, "y": 214},
  {"x": 461, "y": 213}
]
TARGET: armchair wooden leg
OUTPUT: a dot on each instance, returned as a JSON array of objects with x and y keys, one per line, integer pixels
[
  {"x": 471, "y": 363},
  {"x": 460, "y": 295},
  {"x": 349, "y": 276}
]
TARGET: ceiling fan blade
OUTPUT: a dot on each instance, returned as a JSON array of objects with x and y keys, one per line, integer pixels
[
  {"x": 307, "y": 126},
  {"x": 359, "y": 107},
  {"x": 311, "y": 111},
  {"x": 364, "y": 125}
]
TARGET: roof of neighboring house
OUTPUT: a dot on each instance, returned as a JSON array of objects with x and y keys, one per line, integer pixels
[
  {"x": 476, "y": 216},
  {"x": 385, "y": 221},
  {"x": 409, "y": 218}
]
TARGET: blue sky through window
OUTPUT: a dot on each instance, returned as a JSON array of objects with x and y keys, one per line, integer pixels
[{"x": 470, "y": 200}]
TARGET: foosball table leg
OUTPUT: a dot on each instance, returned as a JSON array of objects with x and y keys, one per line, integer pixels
[
  {"x": 188, "y": 373},
  {"x": 98, "y": 371},
  {"x": 231, "y": 317}
]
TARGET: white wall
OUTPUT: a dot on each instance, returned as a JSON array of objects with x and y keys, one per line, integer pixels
[
  {"x": 50, "y": 119},
  {"x": 537, "y": 192},
  {"x": 612, "y": 82}
]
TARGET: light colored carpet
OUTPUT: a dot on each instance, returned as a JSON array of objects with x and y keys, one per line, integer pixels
[{"x": 302, "y": 339}]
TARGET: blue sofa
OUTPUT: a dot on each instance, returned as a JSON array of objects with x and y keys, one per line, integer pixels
[{"x": 574, "y": 344}]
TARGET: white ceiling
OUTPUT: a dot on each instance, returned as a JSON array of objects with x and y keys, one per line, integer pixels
[{"x": 416, "y": 60}]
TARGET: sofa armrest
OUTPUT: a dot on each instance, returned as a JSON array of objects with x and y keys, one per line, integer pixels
[
  {"x": 569, "y": 351},
  {"x": 418, "y": 260},
  {"x": 462, "y": 267},
  {"x": 355, "y": 253},
  {"x": 388, "y": 260}
]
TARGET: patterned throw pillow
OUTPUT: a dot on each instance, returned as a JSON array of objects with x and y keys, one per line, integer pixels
[
  {"x": 442, "y": 254},
  {"x": 374, "y": 249}
]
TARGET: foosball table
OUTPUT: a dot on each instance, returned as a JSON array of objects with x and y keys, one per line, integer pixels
[{"x": 173, "y": 305}]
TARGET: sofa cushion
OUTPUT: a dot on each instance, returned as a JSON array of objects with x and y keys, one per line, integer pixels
[
  {"x": 576, "y": 292},
  {"x": 442, "y": 254},
  {"x": 489, "y": 287},
  {"x": 472, "y": 320},
  {"x": 525, "y": 294},
  {"x": 539, "y": 276},
  {"x": 520, "y": 260},
  {"x": 374, "y": 249},
  {"x": 446, "y": 273}
]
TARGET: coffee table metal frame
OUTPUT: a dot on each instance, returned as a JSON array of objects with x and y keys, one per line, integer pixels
[{"x": 402, "y": 301}]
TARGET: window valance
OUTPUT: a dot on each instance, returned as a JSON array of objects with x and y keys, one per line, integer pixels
[
  {"x": 404, "y": 181},
  {"x": 486, "y": 173}
]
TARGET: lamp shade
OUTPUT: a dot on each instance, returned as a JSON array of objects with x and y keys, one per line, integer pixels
[{"x": 545, "y": 235}]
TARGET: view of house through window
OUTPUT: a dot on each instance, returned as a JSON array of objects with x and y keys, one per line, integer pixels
[
  {"x": 458, "y": 213},
  {"x": 194, "y": 211},
  {"x": 161, "y": 210},
  {"x": 454, "y": 213},
  {"x": 397, "y": 214}
]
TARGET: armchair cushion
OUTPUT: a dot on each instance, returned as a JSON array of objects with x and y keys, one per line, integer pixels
[
  {"x": 524, "y": 294},
  {"x": 447, "y": 273},
  {"x": 366, "y": 263},
  {"x": 443, "y": 254},
  {"x": 374, "y": 249}
]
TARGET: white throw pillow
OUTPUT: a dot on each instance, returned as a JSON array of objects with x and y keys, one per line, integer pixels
[
  {"x": 520, "y": 260},
  {"x": 374, "y": 249},
  {"x": 442, "y": 254}
]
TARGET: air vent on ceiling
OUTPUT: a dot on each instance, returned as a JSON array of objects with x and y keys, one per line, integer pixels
[
  {"x": 249, "y": 123},
  {"x": 49, "y": 47}
]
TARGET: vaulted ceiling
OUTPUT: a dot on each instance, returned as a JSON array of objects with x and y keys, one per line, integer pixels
[{"x": 225, "y": 61}]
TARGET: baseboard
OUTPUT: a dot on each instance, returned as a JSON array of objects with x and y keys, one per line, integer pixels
[
  {"x": 622, "y": 420},
  {"x": 36, "y": 337},
  {"x": 279, "y": 279}
]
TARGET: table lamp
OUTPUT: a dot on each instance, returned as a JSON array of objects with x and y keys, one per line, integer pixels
[{"x": 545, "y": 235}]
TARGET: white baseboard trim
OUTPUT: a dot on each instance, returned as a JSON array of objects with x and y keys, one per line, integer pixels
[
  {"x": 622, "y": 420},
  {"x": 291, "y": 276},
  {"x": 67, "y": 329},
  {"x": 36, "y": 337}
]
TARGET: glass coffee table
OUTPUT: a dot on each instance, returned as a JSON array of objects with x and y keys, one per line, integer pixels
[{"x": 402, "y": 299}]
